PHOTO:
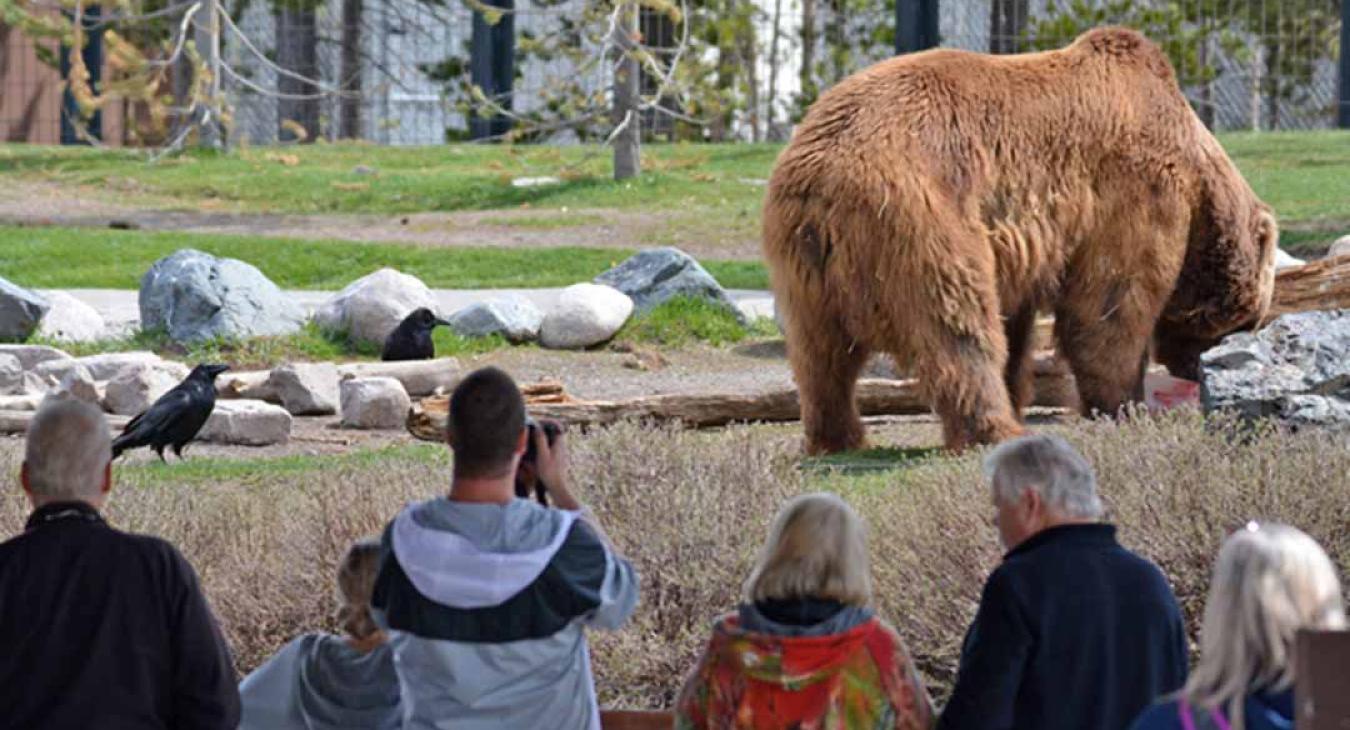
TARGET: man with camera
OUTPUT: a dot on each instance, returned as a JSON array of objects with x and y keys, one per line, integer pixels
[{"x": 486, "y": 596}]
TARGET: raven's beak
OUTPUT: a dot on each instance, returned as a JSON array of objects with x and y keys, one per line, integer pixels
[{"x": 442, "y": 323}]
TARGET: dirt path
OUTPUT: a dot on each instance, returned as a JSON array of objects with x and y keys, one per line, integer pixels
[{"x": 38, "y": 203}]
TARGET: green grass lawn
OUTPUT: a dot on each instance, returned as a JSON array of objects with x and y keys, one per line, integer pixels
[
  {"x": 322, "y": 179},
  {"x": 102, "y": 258}
]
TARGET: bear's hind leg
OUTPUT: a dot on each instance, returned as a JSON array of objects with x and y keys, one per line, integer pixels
[
  {"x": 826, "y": 363},
  {"x": 1105, "y": 340},
  {"x": 1018, "y": 375}
]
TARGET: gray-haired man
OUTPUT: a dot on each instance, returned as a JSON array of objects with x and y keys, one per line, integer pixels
[
  {"x": 100, "y": 628},
  {"x": 1073, "y": 630}
]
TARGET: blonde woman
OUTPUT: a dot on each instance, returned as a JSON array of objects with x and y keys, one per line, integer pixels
[
  {"x": 804, "y": 650},
  {"x": 321, "y": 681},
  {"x": 1269, "y": 582}
]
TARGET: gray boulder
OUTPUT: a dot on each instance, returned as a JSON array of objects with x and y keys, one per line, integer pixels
[
  {"x": 657, "y": 275},
  {"x": 247, "y": 423},
  {"x": 71, "y": 320},
  {"x": 196, "y": 296},
  {"x": 374, "y": 403},
  {"x": 20, "y": 311},
  {"x": 1284, "y": 260},
  {"x": 1296, "y": 370},
  {"x": 306, "y": 389},
  {"x": 515, "y": 318},
  {"x": 368, "y": 309},
  {"x": 585, "y": 315},
  {"x": 30, "y": 356},
  {"x": 418, "y": 377}
]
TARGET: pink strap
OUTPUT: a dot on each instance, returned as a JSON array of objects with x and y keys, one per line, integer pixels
[{"x": 1187, "y": 723}]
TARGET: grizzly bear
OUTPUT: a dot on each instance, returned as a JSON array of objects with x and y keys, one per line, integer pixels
[{"x": 931, "y": 205}]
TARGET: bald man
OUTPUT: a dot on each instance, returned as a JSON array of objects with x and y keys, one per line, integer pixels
[{"x": 100, "y": 628}]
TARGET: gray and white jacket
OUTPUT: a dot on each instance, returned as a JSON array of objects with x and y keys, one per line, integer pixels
[{"x": 486, "y": 606}]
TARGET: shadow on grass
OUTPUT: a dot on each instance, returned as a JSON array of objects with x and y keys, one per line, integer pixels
[{"x": 868, "y": 461}]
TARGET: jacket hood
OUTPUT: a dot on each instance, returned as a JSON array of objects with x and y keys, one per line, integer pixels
[
  {"x": 471, "y": 555},
  {"x": 791, "y": 662},
  {"x": 754, "y": 620},
  {"x": 339, "y": 687}
]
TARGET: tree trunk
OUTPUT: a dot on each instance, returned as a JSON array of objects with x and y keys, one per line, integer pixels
[
  {"x": 627, "y": 150},
  {"x": 807, "y": 73},
  {"x": 350, "y": 106},
  {"x": 770, "y": 121},
  {"x": 297, "y": 51},
  {"x": 749, "y": 58},
  {"x": 1007, "y": 23},
  {"x": 211, "y": 134},
  {"x": 836, "y": 40}
]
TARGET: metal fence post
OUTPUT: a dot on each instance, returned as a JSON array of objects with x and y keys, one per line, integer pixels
[
  {"x": 916, "y": 25},
  {"x": 492, "y": 51},
  {"x": 92, "y": 56},
  {"x": 1343, "y": 108}
]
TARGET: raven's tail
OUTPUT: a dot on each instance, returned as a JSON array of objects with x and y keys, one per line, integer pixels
[{"x": 122, "y": 443}]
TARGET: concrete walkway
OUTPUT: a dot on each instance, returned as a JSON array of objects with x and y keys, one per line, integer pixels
[{"x": 120, "y": 308}]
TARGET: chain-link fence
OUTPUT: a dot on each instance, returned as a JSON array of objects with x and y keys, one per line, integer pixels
[{"x": 426, "y": 71}]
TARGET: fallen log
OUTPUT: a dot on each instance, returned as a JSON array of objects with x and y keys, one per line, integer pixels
[
  {"x": 1322, "y": 284},
  {"x": 875, "y": 397}
]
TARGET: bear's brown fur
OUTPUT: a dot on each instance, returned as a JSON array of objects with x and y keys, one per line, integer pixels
[{"x": 931, "y": 205}]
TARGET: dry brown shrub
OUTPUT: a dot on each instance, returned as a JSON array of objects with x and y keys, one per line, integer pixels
[{"x": 690, "y": 509}]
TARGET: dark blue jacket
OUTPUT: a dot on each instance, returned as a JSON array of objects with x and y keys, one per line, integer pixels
[
  {"x": 1073, "y": 632},
  {"x": 1261, "y": 711}
]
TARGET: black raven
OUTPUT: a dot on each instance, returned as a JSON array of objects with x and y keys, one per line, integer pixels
[
  {"x": 411, "y": 339},
  {"x": 176, "y": 417}
]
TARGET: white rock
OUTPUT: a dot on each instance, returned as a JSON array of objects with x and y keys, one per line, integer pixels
[
  {"x": 247, "y": 423},
  {"x": 306, "y": 389},
  {"x": 1285, "y": 261},
  {"x": 419, "y": 377},
  {"x": 70, "y": 319},
  {"x": 53, "y": 372},
  {"x": 11, "y": 374},
  {"x": 135, "y": 387},
  {"x": 585, "y": 315},
  {"x": 535, "y": 182},
  {"x": 23, "y": 402},
  {"x": 1341, "y": 247},
  {"x": 30, "y": 356},
  {"x": 368, "y": 309},
  {"x": 247, "y": 384},
  {"x": 374, "y": 403},
  {"x": 756, "y": 308},
  {"x": 79, "y": 383}
]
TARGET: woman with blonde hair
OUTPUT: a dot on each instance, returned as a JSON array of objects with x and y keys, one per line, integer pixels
[
  {"x": 804, "y": 650},
  {"x": 321, "y": 681},
  {"x": 1269, "y": 582}
]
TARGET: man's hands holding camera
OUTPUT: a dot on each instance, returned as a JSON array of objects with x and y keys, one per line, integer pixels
[
  {"x": 544, "y": 466},
  {"x": 551, "y": 468}
]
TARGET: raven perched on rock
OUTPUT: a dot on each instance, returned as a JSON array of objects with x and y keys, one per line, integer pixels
[
  {"x": 176, "y": 417},
  {"x": 411, "y": 339}
]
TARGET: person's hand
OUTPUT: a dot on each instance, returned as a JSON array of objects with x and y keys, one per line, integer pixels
[{"x": 551, "y": 468}]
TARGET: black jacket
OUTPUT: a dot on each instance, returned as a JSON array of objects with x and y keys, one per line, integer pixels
[
  {"x": 104, "y": 629},
  {"x": 1073, "y": 632}
]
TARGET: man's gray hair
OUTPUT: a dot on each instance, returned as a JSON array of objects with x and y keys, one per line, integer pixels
[
  {"x": 1049, "y": 465},
  {"x": 67, "y": 449}
]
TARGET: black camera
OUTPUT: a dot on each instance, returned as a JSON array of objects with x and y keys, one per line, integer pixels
[{"x": 527, "y": 475}]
